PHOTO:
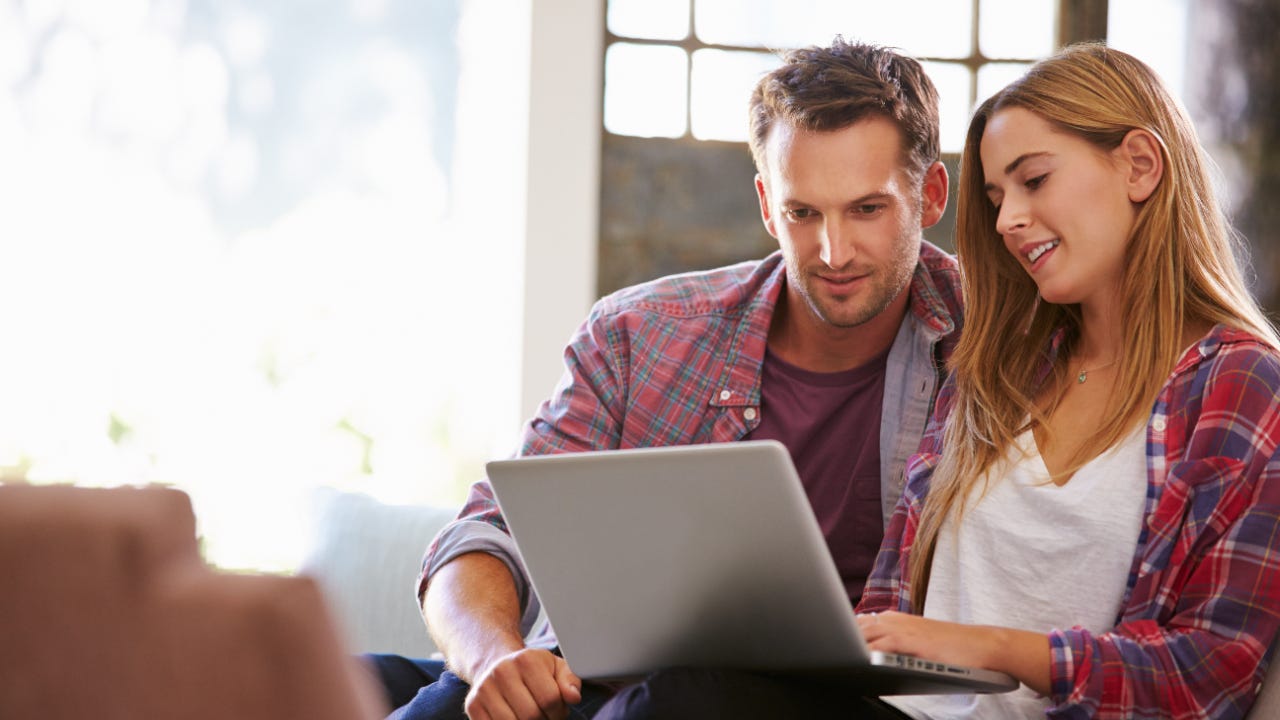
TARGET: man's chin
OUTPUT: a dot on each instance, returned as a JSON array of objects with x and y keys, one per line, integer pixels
[
  {"x": 845, "y": 317},
  {"x": 848, "y": 314}
]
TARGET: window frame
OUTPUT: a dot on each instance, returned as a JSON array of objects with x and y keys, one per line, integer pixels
[{"x": 1076, "y": 20}]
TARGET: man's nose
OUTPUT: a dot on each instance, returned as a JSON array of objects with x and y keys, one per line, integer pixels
[{"x": 837, "y": 244}]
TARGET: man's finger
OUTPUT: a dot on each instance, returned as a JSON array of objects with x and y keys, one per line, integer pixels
[
  {"x": 570, "y": 684},
  {"x": 538, "y": 671},
  {"x": 511, "y": 685}
]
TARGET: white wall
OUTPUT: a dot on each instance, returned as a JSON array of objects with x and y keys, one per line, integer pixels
[{"x": 563, "y": 194}]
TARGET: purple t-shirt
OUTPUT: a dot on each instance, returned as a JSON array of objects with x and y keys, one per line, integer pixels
[{"x": 830, "y": 422}]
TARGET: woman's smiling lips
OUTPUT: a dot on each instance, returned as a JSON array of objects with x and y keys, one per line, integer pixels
[{"x": 1037, "y": 253}]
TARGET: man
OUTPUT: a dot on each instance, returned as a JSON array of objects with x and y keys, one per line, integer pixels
[{"x": 834, "y": 346}]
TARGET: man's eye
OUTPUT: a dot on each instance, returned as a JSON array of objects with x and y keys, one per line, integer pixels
[
  {"x": 869, "y": 209},
  {"x": 797, "y": 214}
]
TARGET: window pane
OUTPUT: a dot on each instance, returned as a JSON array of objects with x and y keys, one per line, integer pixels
[
  {"x": 645, "y": 90},
  {"x": 722, "y": 85},
  {"x": 992, "y": 77},
  {"x": 953, "y": 82},
  {"x": 936, "y": 28},
  {"x": 653, "y": 19},
  {"x": 1017, "y": 28}
]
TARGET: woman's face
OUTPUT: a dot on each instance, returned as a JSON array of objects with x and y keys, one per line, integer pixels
[{"x": 1062, "y": 205}]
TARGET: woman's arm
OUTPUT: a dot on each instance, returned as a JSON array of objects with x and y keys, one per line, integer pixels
[
  {"x": 1204, "y": 606},
  {"x": 1024, "y": 655}
]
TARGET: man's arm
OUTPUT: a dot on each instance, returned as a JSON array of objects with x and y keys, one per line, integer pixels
[
  {"x": 471, "y": 600},
  {"x": 473, "y": 613}
]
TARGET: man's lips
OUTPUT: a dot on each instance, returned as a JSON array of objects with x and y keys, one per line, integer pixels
[{"x": 840, "y": 282}]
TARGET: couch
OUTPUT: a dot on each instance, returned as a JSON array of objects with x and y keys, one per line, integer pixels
[{"x": 108, "y": 612}]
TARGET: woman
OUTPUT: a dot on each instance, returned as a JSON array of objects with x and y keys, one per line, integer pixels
[{"x": 1094, "y": 509}]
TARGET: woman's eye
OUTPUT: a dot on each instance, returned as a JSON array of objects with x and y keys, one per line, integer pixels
[{"x": 1037, "y": 181}]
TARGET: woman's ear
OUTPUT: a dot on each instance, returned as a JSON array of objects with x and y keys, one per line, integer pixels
[{"x": 1143, "y": 163}]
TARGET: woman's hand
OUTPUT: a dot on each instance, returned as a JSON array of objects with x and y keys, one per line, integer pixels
[{"x": 1025, "y": 655}]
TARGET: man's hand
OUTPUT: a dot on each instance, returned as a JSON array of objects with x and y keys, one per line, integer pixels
[
  {"x": 474, "y": 615},
  {"x": 528, "y": 684}
]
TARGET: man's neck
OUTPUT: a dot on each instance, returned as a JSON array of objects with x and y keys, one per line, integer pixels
[{"x": 801, "y": 338}]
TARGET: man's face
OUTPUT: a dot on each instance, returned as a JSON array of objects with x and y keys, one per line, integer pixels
[{"x": 847, "y": 216}]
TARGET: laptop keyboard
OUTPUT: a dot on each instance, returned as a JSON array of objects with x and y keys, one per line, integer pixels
[{"x": 914, "y": 663}]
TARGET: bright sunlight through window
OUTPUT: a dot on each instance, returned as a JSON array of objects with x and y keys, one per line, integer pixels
[{"x": 252, "y": 249}]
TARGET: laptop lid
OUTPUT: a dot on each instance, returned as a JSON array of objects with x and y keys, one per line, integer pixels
[{"x": 689, "y": 556}]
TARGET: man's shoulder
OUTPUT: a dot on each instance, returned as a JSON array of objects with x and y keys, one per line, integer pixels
[
  {"x": 942, "y": 267},
  {"x": 726, "y": 290},
  {"x": 937, "y": 295}
]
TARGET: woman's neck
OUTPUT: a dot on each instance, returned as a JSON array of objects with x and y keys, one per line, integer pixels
[{"x": 1099, "y": 336}]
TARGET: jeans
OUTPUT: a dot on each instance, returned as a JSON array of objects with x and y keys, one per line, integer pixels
[{"x": 425, "y": 690}]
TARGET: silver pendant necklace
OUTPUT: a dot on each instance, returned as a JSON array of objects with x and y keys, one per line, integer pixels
[{"x": 1084, "y": 374}]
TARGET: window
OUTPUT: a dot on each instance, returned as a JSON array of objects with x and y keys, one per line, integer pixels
[
  {"x": 676, "y": 193},
  {"x": 255, "y": 248},
  {"x": 685, "y": 68}
]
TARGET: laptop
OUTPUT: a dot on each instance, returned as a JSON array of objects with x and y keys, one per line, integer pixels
[{"x": 695, "y": 556}]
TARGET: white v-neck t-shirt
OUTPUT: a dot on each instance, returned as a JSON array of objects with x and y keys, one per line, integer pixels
[{"x": 1035, "y": 556}]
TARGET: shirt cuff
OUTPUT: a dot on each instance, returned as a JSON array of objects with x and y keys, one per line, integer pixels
[
  {"x": 467, "y": 536},
  {"x": 1062, "y": 666}
]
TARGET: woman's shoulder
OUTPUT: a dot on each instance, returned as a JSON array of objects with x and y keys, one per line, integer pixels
[
  {"x": 1239, "y": 357},
  {"x": 1226, "y": 387}
]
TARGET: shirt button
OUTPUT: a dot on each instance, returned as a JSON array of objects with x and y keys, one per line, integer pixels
[
  {"x": 749, "y": 413},
  {"x": 726, "y": 394},
  {"x": 1158, "y": 425}
]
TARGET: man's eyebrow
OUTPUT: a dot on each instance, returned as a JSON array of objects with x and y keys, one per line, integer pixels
[
  {"x": 861, "y": 199},
  {"x": 873, "y": 195},
  {"x": 1008, "y": 169}
]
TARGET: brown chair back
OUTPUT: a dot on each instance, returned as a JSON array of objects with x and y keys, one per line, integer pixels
[{"x": 108, "y": 612}]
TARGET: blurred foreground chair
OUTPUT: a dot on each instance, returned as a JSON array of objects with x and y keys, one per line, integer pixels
[{"x": 108, "y": 612}]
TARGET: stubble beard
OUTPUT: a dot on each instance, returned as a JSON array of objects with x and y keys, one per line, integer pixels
[{"x": 882, "y": 286}]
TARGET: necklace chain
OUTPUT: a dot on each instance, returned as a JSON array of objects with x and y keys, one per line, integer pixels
[{"x": 1084, "y": 373}]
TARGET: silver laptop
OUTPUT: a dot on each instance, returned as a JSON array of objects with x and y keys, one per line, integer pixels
[{"x": 695, "y": 556}]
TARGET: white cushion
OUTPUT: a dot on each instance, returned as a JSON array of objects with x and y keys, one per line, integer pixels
[{"x": 366, "y": 556}]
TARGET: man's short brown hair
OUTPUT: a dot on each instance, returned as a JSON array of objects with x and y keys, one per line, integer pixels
[{"x": 834, "y": 87}]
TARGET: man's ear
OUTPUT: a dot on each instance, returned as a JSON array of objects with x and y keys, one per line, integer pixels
[
  {"x": 762, "y": 192},
  {"x": 933, "y": 195},
  {"x": 1143, "y": 163}
]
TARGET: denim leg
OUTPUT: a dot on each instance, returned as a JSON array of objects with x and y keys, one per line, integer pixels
[
  {"x": 441, "y": 700},
  {"x": 425, "y": 690},
  {"x": 403, "y": 677}
]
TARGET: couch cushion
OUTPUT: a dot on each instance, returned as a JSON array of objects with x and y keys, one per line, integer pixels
[{"x": 366, "y": 556}]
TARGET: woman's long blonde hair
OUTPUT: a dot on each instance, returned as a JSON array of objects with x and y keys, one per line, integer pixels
[{"x": 1180, "y": 267}]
